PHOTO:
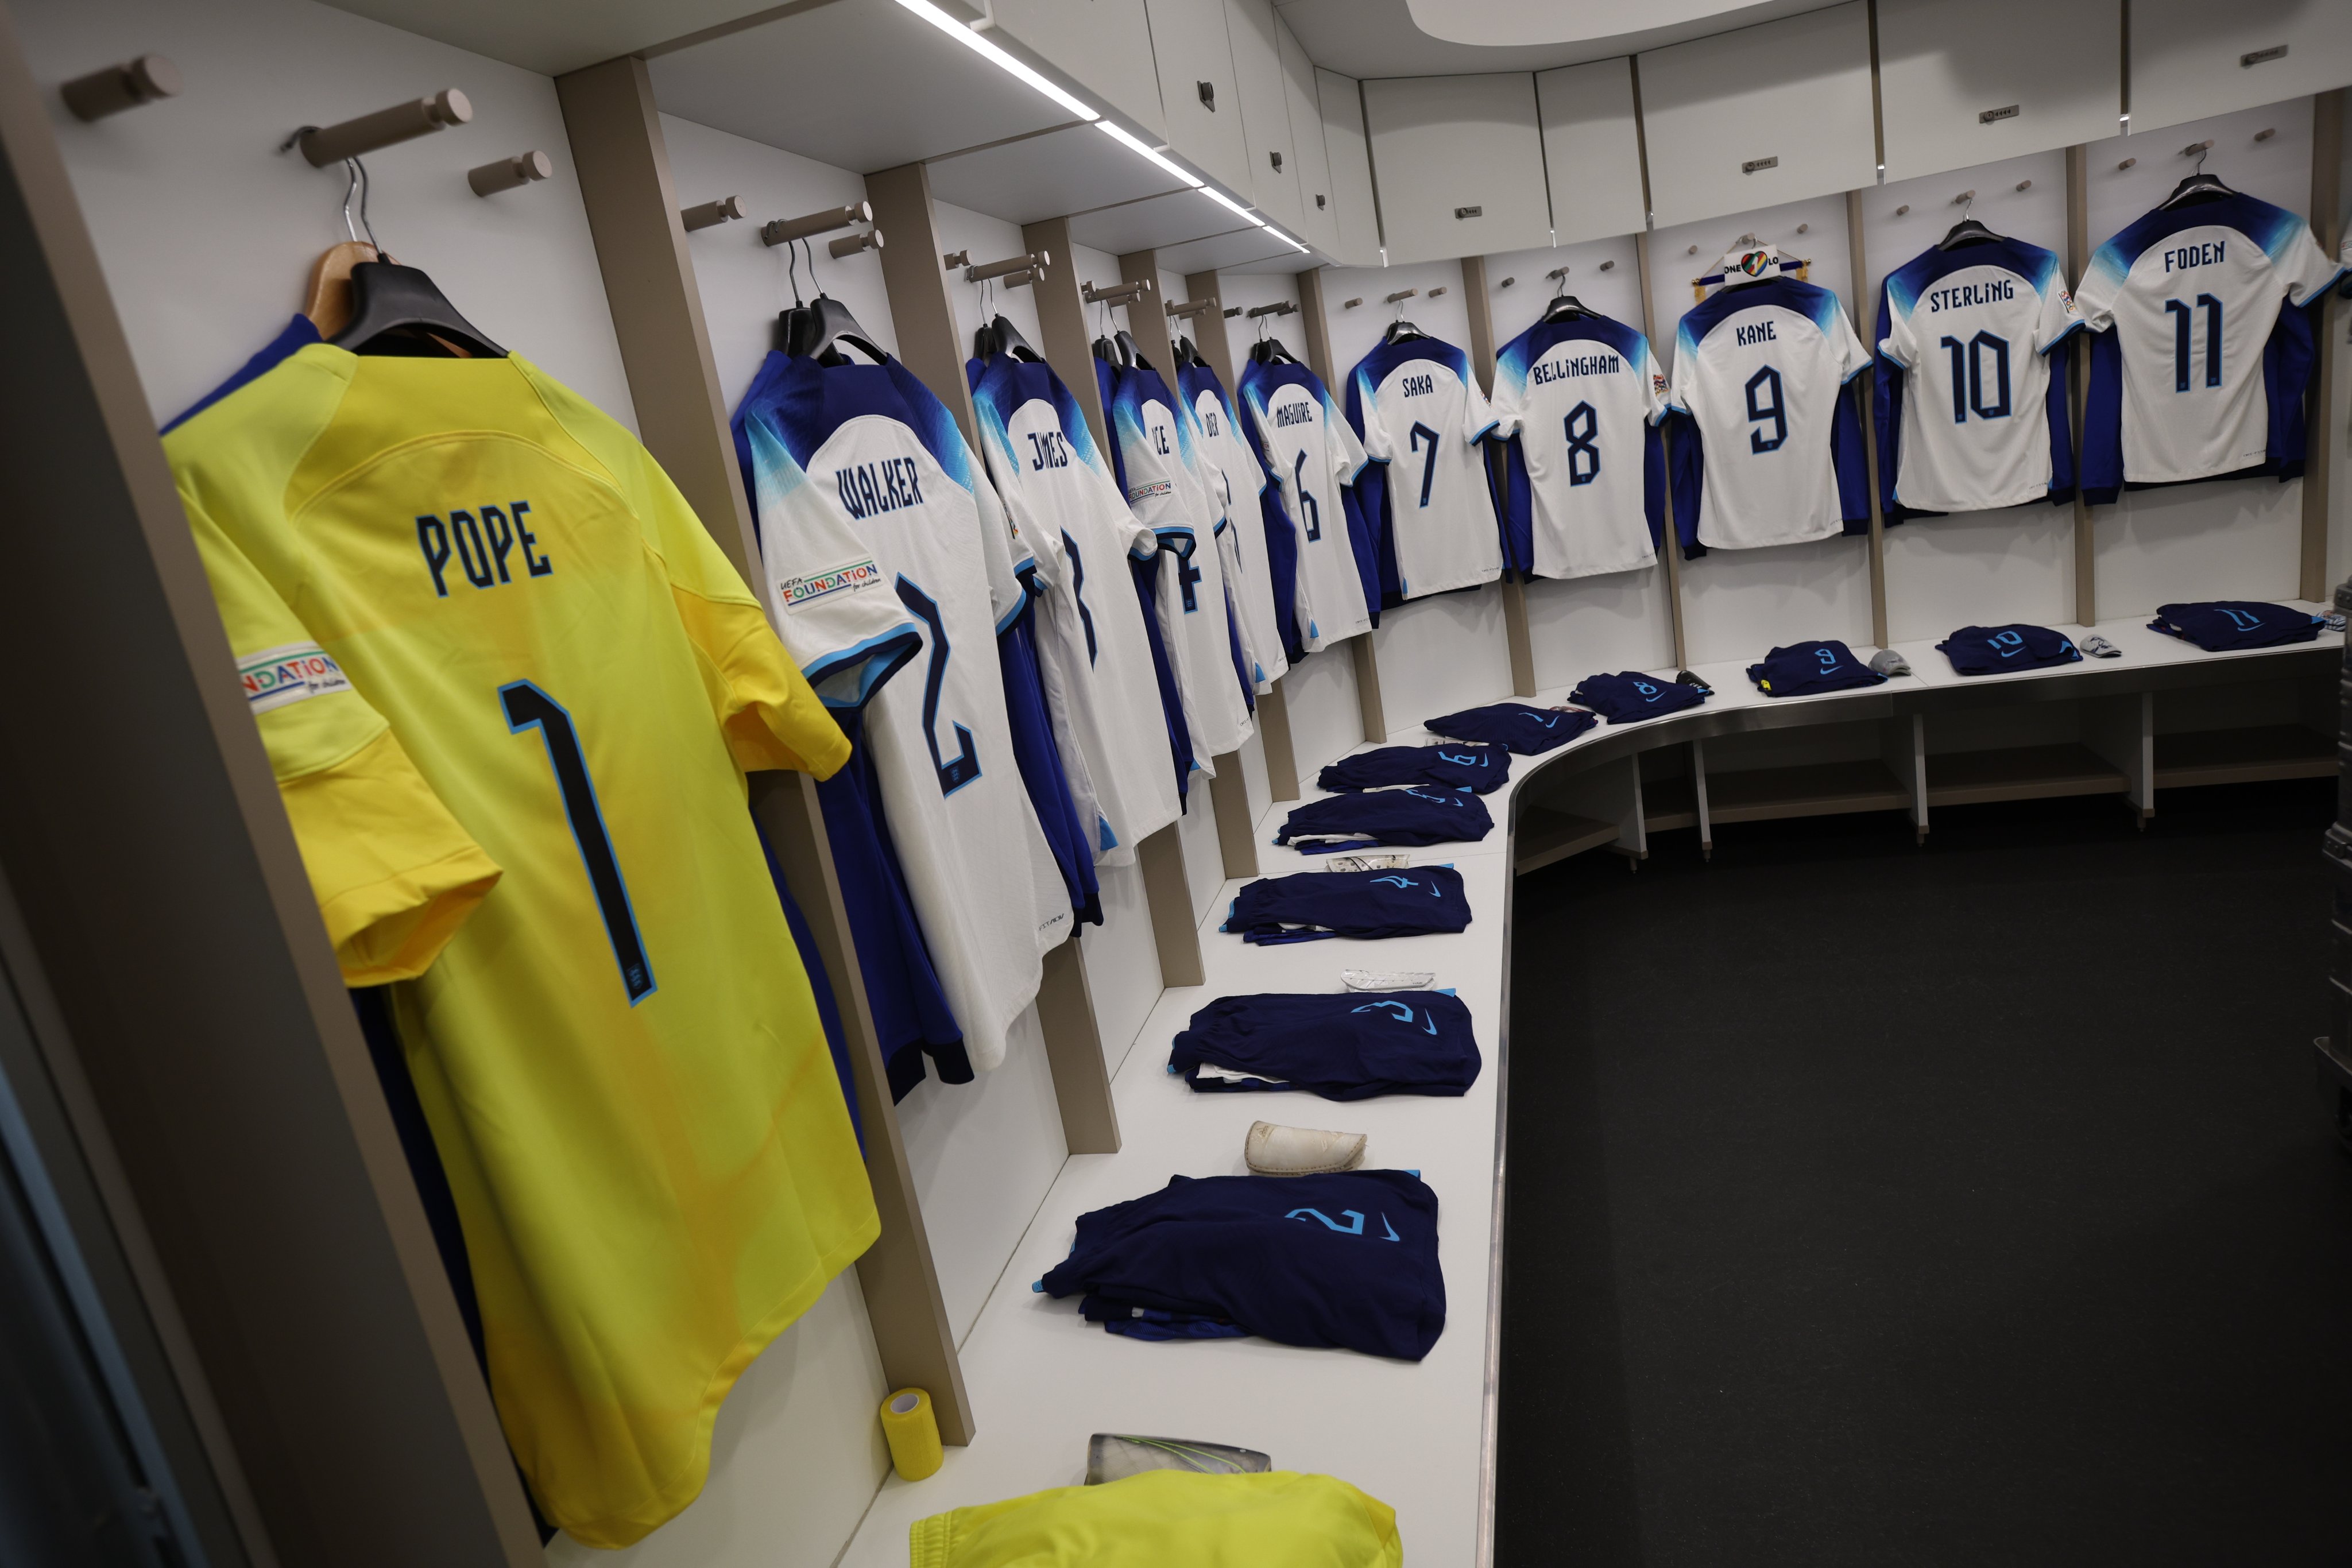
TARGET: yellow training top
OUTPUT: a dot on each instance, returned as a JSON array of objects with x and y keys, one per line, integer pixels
[
  {"x": 509, "y": 687},
  {"x": 1170, "y": 1518}
]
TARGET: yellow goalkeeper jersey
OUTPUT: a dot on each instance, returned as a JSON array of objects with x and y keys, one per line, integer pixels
[{"x": 510, "y": 687}]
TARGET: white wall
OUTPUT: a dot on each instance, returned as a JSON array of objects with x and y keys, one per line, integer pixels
[
  {"x": 207, "y": 232},
  {"x": 745, "y": 283}
]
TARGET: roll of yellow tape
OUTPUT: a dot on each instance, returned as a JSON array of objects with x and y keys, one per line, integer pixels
[{"x": 913, "y": 1432}]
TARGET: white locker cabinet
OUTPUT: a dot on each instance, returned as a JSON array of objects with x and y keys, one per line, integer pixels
[
  {"x": 1265, "y": 110},
  {"x": 1351, "y": 168},
  {"x": 1763, "y": 115},
  {"x": 1593, "y": 149},
  {"x": 2193, "y": 60},
  {"x": 1318, "y": 208},
  {"x": 1956, "y": 90},
  {"x": 1103, "y": 46},
  {"x": 1459, "y": 162},
  {"x": 1197, "y": 90}
]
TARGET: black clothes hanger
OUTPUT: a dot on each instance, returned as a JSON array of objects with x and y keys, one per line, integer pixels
[
  {"x": 1967, "y": 231},
  {"x": 1187, "y": 355},
  {"x": 1400, "y": 329},
  {"x": 813, "y": 330},
  {"x": 2197, "y": 186},
  {"x": 397, "y": 311},
  {"x": 1001, "y": 337},
  {"x": 1270, "y": 351},
  {"x": 1565, "y": 308},
  {"x": 1130, "y": 349}
]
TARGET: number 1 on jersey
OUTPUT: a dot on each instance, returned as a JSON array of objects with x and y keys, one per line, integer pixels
[{"x": 528, "y": 708}]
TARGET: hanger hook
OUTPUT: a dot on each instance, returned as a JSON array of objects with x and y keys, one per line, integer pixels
[
  {"x": 359, "y": 184},
  {"x": 2203, "y": 152},
  {"x": 810, "y": 248},
  {"x": 793, "y": 271},
  {"x": 1970, "y": 207}
]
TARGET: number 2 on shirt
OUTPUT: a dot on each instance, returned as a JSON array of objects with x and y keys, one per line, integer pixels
[
  {"x": 528, "y": 708},
  {"x": 955, "y": 772}
]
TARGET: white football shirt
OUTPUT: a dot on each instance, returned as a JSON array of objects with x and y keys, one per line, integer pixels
[
  {"x": 882, "y": 544},
  {"x": 1171, "y": 494},
  {"x": 1094, "y": 655},
  {"x": 1311, "y": 453},
  {"x": 1241, "y": 480},
  {"x": 1971, "y": 330},
  {"x": 2192, "y": 294},
  {"x": 1423, "y": 415},
  {"x": 1761, "y": 368},
  {"x": 1581, "y": 396}
]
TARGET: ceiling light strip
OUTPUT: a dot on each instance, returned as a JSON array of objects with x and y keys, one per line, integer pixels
[
  {"x": 1135, "y": 144},
  {"x": 998, "y": 57}
]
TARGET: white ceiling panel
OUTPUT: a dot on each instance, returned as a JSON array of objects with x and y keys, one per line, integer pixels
[
  {"x": 1146, "y": 225},
  {"x": 860, "y": 84},
  {"x": 1238, "y": 251},
  {"x": 553, "y": 36},
  {"x": 1046, "y": 176},
  {"x": 1369, "y": 38}
]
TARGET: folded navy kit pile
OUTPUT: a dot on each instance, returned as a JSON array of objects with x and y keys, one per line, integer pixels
[
  {"x": 1479, "y": 767},
  {"x": 1350, "y": 1046},
  {"x": 1411, "y": 901},
  {"x": 1408, "y": 816},
  {"x": 1346, "y": 1260}
]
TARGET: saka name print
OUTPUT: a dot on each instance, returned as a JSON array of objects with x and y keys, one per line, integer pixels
[
  {"x": 1420, "y": 386},
  {"x": 480, "y": 540},
  {"x": 870, "y": 489}
]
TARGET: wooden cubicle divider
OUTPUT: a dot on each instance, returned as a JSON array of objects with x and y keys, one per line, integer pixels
[
  {"x": 1147, "y": 319},
  {"x": 1861, "y": 300},
  {"x": 1210, "y": 336},
  {"x": 1068, "y": 347},
  {"x": 2327, "y": 224},
  {"x": 914, "y": 276},
  {"x": 2078, "y": 261},
  {"x": 1315, "y": 325},
  {"x": 1476, "y": 301},
  {"x": 284, "y": 1341},
  {"x": 641, "y": 249},
  {"x": 1670, "y": 548}
]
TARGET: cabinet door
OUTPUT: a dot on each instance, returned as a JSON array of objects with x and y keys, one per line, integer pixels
[
  {"x": 1318, "y": 208},
  {"x": 1104, "y": 46},
  {"x": 2193, "y": 61},
  {"x": 1764, "y": 115},
  {"x": 1957, "y": 91},
  {"x": 1351, "y": 168},
  {"x": 1459, "y": 161},
  {"x": 1593, "y": 149},
  {"x": 1265, "y": 110},
  {"x": 1197, "y": 90}
]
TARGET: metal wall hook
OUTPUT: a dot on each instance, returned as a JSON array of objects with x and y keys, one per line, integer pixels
[
  {"x": 850, "y": 245},
  {"x": 783, "y": 231},
  {"x": 710, "y": 214},
  {"x": 1352, "y": 304},
  {"x": 322, "y": 146},
  {"x": 1125, "y": 294},
  {"x": 1179, "y": 309},
  {"x": 1280, "y": 307},
  {"x": 1035, "y": 261},
  {"x": 118, "y": 87},
  {"x": 507, "y": 173},
  {"x": 1436, "y": 291},
  {"x": 1609, "y": 263}
]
